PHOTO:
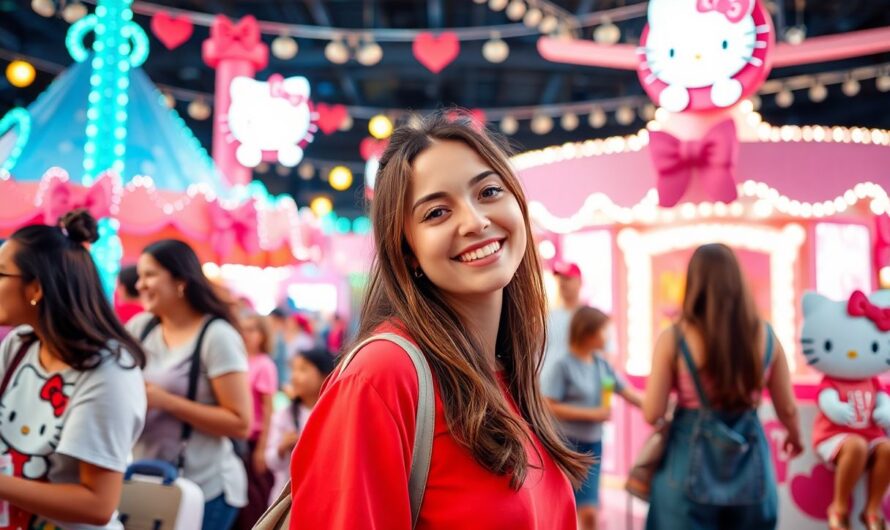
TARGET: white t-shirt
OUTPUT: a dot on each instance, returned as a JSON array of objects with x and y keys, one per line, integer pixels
[
  {"x": 210, "y": 460},
  {"x": 52, "y": 421}
]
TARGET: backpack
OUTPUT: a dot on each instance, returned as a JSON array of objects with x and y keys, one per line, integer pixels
[{"x": 277, "y": 516}]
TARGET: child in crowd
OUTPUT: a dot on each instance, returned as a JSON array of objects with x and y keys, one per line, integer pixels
[
  {"x": 263, "y": 379},
  {"x": 578, "y": 389},
  {"x": 308, "y": 371}
]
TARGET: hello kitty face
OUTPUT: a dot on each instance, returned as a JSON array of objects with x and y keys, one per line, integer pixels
[
  {"x": 274, "y": 115},
  {"x": 696, "y": 44},
  {"x": 31, "y": 412},
  {"x": 841, "y": 345}
]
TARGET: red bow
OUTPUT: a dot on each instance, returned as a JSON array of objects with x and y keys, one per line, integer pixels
[
  {"x": 734, "y": 10},
  {"x": 237, "y": 41},
  {"x": 231, "y": 226},
  {"x": 712, "y": 159},
  {"x": 860, "y": 306},
  {"x": 53, "y": 391},
  {"x": 278, "y": 89},
  {"x": 60, "y": 196}
]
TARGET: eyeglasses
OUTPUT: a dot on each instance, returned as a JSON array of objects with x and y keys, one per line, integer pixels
[{"x": 8, "y": 275}]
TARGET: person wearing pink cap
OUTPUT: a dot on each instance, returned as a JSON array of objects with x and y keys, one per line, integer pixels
[{"x": 568, "y": 277}]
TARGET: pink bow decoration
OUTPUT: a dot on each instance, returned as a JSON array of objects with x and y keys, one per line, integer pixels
[
  {"x": 860, "y": 306},
  {"x": 61, "y": 196},
  {"x": 238, "y": 225},
  {"x": 53, "y": 392},
  {"x": 734, "y": 10},
  {"x": 239, "y": 41},
  {"x": 277, "y": 89},
  {"x": 711, "y": 159}
]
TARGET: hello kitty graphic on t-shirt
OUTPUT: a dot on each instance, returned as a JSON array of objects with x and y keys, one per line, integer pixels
[{"x": 703, "y": 54}]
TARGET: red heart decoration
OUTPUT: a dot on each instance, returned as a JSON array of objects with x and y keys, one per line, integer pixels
[
  {"x": 170, "y": 30},
  {"x": 372, "y": 147},
  {"x": 436, "y": 52},
  {"x": 813, "y": 493},
  {"x": 330, "y": 117}
]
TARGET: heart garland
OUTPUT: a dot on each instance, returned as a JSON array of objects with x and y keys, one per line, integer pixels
[
  {"x": 171, "y": 30},
  {"x": 436, "y": 52},
  {"x": 330, "y": 117}
]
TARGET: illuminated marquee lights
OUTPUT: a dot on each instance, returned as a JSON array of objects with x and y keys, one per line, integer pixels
[
  {"x": 21, "y": 118},
  {"x": 782, "y": 245}
]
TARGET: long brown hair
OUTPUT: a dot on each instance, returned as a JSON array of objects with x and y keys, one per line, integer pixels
[
  {"x": 718, "y": 304},
  {"x": 477, "y": 414}
]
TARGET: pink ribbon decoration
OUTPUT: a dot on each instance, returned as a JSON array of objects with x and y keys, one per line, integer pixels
[
  {"x": 277, "y": 89},
  {"x": 860, "y": 306},
  {"x": 61, "y": 196},
  {"x": 53, "y": 392},
  {"x": 711, "y": 159},
  {"x": 238, "y": 225},
  {"x": 734, "y": 10},
  {"x": 235, "y": 41}
]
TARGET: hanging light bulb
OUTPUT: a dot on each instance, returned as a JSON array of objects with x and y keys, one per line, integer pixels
[
  {"x": 44, "y": 8},
  {"x": 818, "y": 93},
  {"x": 336, "y": 52},
  {"x": 785, "y": 98},
  {"x": 755, "y": 101},
  {"x": 850, "y": 87},
  {"x": 549, "y": 24},
  {"x": 516, "y": 9},
  {"x": 321, "y": 206},
  {"x": 647, "y": 112},
  {"x": 607, "y": 33},
  {"x": 74, "y": 12},
  {"x": 346, "y": 124},
  {"x": 20, "y": 74},
  {"x": 380, "y": 127},
  {"x": 306, "y": 171},
  {"x": 340, "y": 178},
  {"x": 495, "y": 50},
  {"x": 882, "y": 83},
  {"x": 169, "y": 100},
  {"x": 597, "y": 118},
  {"x": 542, "y": 124},
  {"x": 532, "y": 17},
  {"x": 284, "y": 47},
  {"x": 262, "y": 167},
  {"x": 569, "y": 121},
  {"x": 282, "y": 171},
  {"x": 199, "y": 110},
  {"x": 625, "y": 115},
  {"x": 509, "y": 125},
  {"x": 497, "y": 5},
  {"x": 370, "y": 53},
  {"x": 795, "y": 34}
]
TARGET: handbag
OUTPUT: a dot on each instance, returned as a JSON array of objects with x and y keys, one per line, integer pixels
[{"x": 277, "y": 516}]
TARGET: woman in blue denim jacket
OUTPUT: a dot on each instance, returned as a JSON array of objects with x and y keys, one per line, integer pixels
[{"x": 717, "y": 471}]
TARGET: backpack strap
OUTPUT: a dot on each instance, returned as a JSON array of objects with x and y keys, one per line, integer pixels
[
  {"x": 426, "y": 416},
  {"x": 152, "y": 324},
  {"x": 192, "y": 391},
  {"x": 17, "y": 359},
  {"x": 690, "y": 364},
  {"x": 768, "y": 356}
]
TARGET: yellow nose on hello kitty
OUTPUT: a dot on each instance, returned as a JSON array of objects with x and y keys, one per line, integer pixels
[
  {"x": 25, "y": 430},
  {"x": 852, "y": 354}
]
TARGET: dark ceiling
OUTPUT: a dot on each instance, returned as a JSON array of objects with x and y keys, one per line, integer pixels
[{"x": 400, "y": 82}]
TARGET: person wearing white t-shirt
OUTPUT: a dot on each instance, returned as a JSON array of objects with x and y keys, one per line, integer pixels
[{"x": 568, "y": 278}]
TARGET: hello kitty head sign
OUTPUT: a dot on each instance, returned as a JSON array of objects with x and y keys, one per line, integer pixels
[
  {"x": 270, "y": 120},
  {"x": 699, "y": 55}
]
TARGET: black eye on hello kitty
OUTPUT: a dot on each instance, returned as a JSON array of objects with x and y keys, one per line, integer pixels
[
  {"x": 827, "y": 345},
  {"x": 671, "y": 53},
  {"x": 12, "y": 416},
  {"x": 874, "y": 347},
  {"x": 42, "y": 429},
  {"x": 725, "y": 44}
]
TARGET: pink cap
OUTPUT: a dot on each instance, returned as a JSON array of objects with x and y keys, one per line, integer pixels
[{"x": 569, "y": 270}]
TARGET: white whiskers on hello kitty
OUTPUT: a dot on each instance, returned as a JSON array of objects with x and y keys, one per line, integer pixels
[{"x": 700, "y": 44}]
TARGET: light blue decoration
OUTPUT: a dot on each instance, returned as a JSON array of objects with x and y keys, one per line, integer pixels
[{"x": 21, "y": 119}]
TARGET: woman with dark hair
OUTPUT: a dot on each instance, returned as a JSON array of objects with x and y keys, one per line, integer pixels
[
  {"x": 72, "y": 399},
  {"x": 456, "y": 273},
  {"x": 186, "y": 322},
  {"x": 719, "y": 357}
]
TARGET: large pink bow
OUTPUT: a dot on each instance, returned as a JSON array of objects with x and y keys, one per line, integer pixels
[
  {"x": 734, "y": 10},
  {"x": 61, "y": 196},
  {"x": 238, "y": 225},
  {"x": 278, "y": 89},
  {"x": 239, "y": 41},
  {"x": 860, "y": 306},
  {"x": 711, "y": 159}
]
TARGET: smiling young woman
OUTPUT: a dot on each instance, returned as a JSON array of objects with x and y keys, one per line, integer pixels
[{"x": 457, "y": 274}]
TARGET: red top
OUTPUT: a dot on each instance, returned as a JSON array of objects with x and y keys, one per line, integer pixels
[
  {"x": 862, "y": 394},
  {"x": 350, "y": 467}
]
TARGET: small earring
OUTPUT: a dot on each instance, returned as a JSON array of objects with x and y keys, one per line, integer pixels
[
  {"x": 418, "y": 273},
  {"x": 34, "y": 302}
]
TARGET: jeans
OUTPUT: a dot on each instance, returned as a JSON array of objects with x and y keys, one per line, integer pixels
[
  {"x": 588, "y": 493},
  {"x": 218, "y": 515}
]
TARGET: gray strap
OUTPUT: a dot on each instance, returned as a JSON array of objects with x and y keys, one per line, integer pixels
[{"x": 426, "y": 417}]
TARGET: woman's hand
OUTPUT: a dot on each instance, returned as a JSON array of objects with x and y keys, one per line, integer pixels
[
  {"x": 792, "y": 445},
  {"x": 600, "y": 414},
  {"x": 157, "y": 397}
]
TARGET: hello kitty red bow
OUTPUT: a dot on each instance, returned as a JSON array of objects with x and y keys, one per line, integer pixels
[
  {"x": 278, "y": 89},
  {"x": 53, "y": 391},
  {"x": 734, "y": 10},
  {"x": 859, "y": 306}
]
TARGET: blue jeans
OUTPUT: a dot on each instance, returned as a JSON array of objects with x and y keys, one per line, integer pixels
[
  {"x": 588, "y": 494},
  {"x": 218, "y": 515},
  {"x": 670, "y": 507}
]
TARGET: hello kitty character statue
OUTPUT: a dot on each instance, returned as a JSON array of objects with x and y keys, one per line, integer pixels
[
  {"x": 704, "y": 54},
  {"x": 849, "y": 342},
  {"x": 272, "y": 120}
]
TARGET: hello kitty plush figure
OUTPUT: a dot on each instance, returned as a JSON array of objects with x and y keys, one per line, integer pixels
[
  {"x": 849, "y": 342},
  {"x": 271, "y": 119},
  {"x": 704, "y": 54}
]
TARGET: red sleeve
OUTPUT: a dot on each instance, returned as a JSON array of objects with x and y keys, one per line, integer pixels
[
  {"x": 350, "y": 467},
  {"x": 825, "y": 384}
]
